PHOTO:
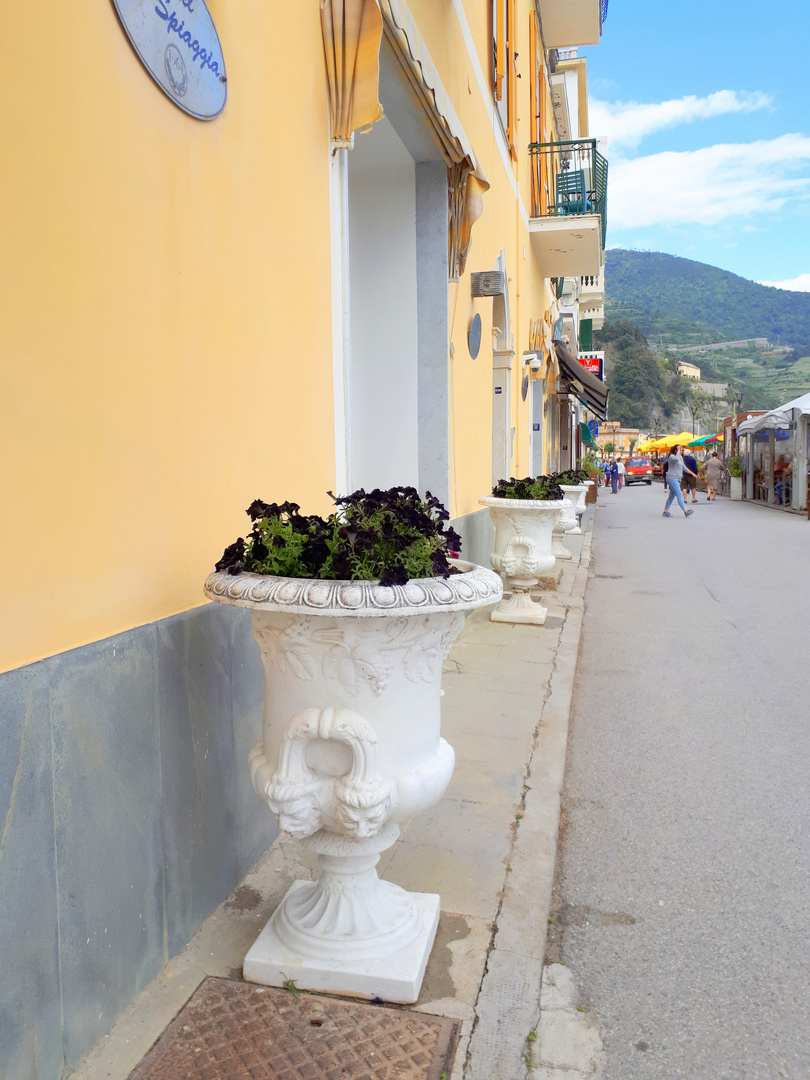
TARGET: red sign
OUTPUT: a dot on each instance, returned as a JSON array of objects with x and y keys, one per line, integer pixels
[{"x": 593, "y": 362}]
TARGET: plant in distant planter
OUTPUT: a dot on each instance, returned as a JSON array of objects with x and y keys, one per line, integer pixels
[
  {"x": 735, "y": 468},
  {"x": 354, "y": 615},
  {"x": 574, "y": 484},
  {"x": 571, "y": 476},
  {"x": 390, "y": 536},
  {"x": 524, "y": 513},
  {"x": 531, "y": 487}
]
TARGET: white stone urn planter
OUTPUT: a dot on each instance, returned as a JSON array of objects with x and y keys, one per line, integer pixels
[
  {"x": 523, "y": 552},
  {"x": 558, "y": 549},
  {"x": 575, "y": 493},
  {"x": 735, "y": 488},
  {"x": 581, "y": 506},
  {"x": 351, "y": 747}
]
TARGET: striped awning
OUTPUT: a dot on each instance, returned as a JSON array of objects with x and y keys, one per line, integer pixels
[{"x": 580, "y": 382}]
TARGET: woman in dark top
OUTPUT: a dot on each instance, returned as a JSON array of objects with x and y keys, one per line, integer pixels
[{"x": 675, "y": 469}]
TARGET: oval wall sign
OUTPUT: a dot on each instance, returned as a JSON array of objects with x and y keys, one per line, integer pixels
[
  {"x": 178, "y": 45},
  {"x": 474, "y": 336}
]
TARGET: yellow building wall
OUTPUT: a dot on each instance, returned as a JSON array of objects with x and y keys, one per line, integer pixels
[
  {"x": 165, "y": 304},
  {"x": 165, "y": 318},
  {"x": 507, "y": 206}
]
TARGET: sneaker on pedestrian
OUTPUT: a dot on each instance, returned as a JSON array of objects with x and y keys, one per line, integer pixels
[
  {"x": 666, "y": 513},
  {"x": 688, "y": 512}
]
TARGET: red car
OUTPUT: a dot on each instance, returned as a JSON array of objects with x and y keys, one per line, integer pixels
[{"x": 638, "y": 470}]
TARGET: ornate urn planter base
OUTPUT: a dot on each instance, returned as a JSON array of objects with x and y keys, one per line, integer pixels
[
  {"x": 575, "y": 493},
  {"x": 558, "y": 550},
  {"x": 520, "y": 608},
  {"x": 312, "y": 936},
  {"x": 351, "y": 747},
  {"x": 523, "y": 553}
]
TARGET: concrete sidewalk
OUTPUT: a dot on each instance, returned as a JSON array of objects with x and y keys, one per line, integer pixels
[{"x": 488, "y": 849}]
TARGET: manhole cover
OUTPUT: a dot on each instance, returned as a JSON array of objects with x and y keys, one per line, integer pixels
[{"x": 240, "y": 1031}]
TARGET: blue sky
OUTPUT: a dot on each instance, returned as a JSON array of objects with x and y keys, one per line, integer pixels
[{"x": 706, "y": 106}]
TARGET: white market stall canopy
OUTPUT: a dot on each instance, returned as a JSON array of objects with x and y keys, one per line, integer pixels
[{"x": 782, "y": 417}]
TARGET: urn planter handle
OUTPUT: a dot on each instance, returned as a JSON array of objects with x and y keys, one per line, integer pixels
[{"x": 306, "y": 800}]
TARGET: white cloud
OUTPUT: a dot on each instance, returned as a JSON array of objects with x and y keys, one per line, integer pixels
[
  {"x": 797, "y": 284},
  {"x": 627, "y": 123},
  {"x": 708, "y": 186}
]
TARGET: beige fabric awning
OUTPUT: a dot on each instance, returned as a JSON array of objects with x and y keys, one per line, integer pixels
[
  {"x": 410, "y": 49},
  {"x": 466, "y": 179},
  {"x": 352, "y": 34}
]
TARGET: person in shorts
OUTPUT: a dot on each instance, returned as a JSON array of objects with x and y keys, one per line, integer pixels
[{"x": 689, "y": 479}]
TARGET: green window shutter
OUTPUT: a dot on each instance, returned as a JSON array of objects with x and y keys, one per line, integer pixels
[{"x": 586, "y": 335}]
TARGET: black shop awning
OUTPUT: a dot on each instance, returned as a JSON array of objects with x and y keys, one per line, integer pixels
[{"x": 582, "y": 383}]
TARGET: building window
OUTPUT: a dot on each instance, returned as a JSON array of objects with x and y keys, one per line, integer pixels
[
  {"x": 504, "y": 57},
  {"x": 540, "y": 175}
]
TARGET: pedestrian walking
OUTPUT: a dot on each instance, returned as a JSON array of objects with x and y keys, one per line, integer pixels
[
  {"x": 614, "y": 477},
  {"x": 714, "y": 476},
  {"x": 675, "y": 470},
  {"x": 689, "y": 478},
  {"x": 620, "y": 464}
]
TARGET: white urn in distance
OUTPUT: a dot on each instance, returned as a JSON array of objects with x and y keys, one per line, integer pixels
[
  {"x": 351, "y": 747},
  {"x": 522, "y": 552},
  {"x": 575, "y": 494}
]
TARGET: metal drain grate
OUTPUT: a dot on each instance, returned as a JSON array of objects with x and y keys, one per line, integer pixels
[{"x": 239, "y": 1031}]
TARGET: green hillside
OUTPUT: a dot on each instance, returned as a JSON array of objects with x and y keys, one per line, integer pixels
[{"x": 681, "y": 302}]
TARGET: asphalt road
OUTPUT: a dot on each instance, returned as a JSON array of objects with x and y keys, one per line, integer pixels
[{"x": 685, "y": 874}]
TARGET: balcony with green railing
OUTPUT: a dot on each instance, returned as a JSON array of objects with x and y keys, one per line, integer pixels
[{"x": 569, "y": 206}]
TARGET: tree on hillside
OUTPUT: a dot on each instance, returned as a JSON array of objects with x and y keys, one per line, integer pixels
[
  {"x": 682, "y": 300},
  {"x": 701, "y": 405},
  {"x": 634, "y": 375}
]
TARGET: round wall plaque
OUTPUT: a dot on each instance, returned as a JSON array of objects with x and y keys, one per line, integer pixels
[
  {"x": 177, "y": 43},
  {"x": 474, "y": 336}
]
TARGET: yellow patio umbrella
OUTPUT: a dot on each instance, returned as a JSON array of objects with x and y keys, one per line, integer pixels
[
  {"x": 658, "y": 444},
  {"x": 673, "y": 440}
]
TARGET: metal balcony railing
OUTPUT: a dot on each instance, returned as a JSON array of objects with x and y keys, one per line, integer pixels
[{"x": 569, "y": 179}]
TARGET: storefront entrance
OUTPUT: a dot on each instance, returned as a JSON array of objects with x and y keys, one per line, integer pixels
[{"x": 771, "y": 466}]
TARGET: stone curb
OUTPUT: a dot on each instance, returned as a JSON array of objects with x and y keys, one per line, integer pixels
[{"x": 508, "y": 1005}]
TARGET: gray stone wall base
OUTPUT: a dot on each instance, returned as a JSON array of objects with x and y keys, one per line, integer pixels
[
  {"x": 477, "y": 536},
  {"x": 127, "y": 816}
]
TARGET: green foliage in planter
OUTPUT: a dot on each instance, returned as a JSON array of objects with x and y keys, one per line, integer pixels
[
  {"x": 735, "y": 466},
  {"x": 387, "y": 535},
  {"x": 571, "y": 477},
  {"x": 531, "y": 487}
]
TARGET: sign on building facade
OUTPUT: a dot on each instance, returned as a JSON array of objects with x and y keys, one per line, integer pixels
[
  {"x": 177, "y": 43},
  {"x": 594, "y": 362}
]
